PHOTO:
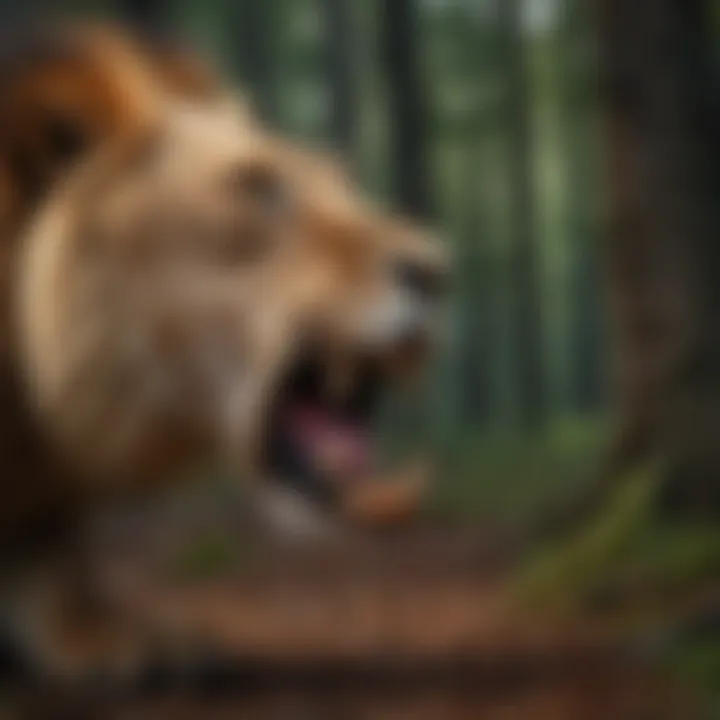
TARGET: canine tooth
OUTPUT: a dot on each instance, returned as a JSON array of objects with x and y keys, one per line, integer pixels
[{"x": 389, "y": 499}]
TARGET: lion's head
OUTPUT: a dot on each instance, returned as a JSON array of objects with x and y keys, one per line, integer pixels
[{"x": 200, "y": 286}]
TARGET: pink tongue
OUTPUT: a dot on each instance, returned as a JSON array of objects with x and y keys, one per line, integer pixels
[{"x": 335, "y": 445}]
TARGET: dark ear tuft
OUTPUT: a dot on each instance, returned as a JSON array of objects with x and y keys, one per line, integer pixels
[
  {"x": 63, "y": 91},
  {"x": 65, "y": 139}
]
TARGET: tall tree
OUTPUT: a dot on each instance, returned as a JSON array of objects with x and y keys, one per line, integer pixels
[
  {"x": 252, "y": 26},
  {"x": 526, "y": 316},
  {"x": 476, "y": 285},
  {"x": 409, "y": 163},
  {"x": 19, "y": 12},
  {"x": 407, "y": 106},
  {"x": 341, "y": 66},
  {"x": 475, "y": 39},
  {"x": 578, "y": 106},
  {"x": 662, "y": 110},
  {"x": 150, "y": 16}
]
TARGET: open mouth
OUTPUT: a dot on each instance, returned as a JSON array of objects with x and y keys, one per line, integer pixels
[{"x": 321, "y": 435}]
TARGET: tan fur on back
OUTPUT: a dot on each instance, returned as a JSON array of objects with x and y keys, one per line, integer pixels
[
  {"x": 111, "y": 94},
  {"x": 165, "y": 263}
]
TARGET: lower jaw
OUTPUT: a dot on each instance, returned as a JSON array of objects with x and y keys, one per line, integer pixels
[
  {"x": 289, "y": 515},
  {"x": 322, "y": 493},
  {"x": 382, "y": 500}
]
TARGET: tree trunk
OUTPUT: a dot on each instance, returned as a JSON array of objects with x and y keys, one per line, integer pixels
[
  {"x": 10, "y": 10},
  {"x": 407, "y": 107},
  {"x": 342, "y": 72},
  {"x": 251, "y": 25},
  {"x": 662, "y": 114},
  {"x": 526, "y": 315},
  {"x": 149, "y": 16},
  {"x": 16, "y": 14},
  {"x": 578, "y": 105},
  {"x": 476, "y": 281}
]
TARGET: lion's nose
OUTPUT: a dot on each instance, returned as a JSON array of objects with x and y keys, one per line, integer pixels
[{"x": 425, "y": 280}]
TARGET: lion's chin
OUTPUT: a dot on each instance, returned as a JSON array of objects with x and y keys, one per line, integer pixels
[{"x": 320, "y": 452}]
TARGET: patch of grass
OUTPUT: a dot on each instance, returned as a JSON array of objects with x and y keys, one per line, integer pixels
[
  {"x": 209, "y": 556},
  {"x": 625, "y": 551},
  {"x": 671, "y": 556},
  {"x": 507, "y": 477},
  {"x": 562, "y": 574},
  {"x": 697, "y": 665}
]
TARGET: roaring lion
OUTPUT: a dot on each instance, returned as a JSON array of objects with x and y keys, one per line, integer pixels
[{"x": 180, "y": 284}]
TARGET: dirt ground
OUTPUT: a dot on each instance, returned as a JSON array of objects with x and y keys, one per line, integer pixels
[
  {"x": 405, "y": 626},
  {"x": 589, "y": 695}
]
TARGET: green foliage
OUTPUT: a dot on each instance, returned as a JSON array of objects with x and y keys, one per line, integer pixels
[
  {"x": 671, "y": 558},
  {"x": 629, "y": 554},
  {"x": 564, "y": 573},
  {"x": 697, "y": 665},
  {"x": 503, "y": 476},
  {"x": 208, "y": 556}
]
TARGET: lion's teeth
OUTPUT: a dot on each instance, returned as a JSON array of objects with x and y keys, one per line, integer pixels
[{"x": 390, "y": 498}]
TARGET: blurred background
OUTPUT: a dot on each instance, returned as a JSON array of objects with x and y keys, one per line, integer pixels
[{"x": 568, "y": 152}]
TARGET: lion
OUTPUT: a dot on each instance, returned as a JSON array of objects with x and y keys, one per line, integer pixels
[{"x": 181, "y": 284}]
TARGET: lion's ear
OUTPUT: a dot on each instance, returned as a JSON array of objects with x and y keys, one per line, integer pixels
[
  {"x": 49, "y": 143},
  {"x": 62, "y": 93},
  {"x": 182, "y": 72}
]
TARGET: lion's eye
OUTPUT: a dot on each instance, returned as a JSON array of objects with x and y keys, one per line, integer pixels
[{"x": 263, "y": 187}]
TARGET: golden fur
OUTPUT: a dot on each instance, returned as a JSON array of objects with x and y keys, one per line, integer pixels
[{"x": 164, "y": 257}]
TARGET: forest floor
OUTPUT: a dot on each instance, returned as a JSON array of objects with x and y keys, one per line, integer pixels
[{"x": 412, "y": 625}]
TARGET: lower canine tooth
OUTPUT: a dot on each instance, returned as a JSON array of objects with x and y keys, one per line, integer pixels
[{"x": 388, "y": 499}]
